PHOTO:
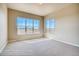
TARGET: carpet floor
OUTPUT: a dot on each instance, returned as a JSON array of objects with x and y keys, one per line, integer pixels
[{"x": 40, "y": 47}]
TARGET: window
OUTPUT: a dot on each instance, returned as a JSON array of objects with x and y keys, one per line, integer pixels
[
  {"x": 20, "y": 23},
  {"x": 50, "y": 25},
  {"x": 47, "y": 25},
  {"x": 27, "y": 26},
  {"x": 36, "y": 26}
]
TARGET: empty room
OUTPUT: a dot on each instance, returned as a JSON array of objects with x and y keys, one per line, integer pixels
[{"x": 39, "y": 29}]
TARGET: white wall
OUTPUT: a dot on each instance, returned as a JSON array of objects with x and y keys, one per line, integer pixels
[
  {"x": 3, "y": 26},
  {"x": 67, "y": 30},
  {"x": 67, "y": 25}
]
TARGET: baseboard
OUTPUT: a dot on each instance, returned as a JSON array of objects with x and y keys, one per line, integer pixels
[
  {"x": 67, "y": 43},
  {"x": 54, "y": 38},
  {"x": 2, "y": 47}
]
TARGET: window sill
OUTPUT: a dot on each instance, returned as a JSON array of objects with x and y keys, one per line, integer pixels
[{"x": 30, "y": 34}]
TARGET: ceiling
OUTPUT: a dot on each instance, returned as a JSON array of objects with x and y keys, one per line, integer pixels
[{"x": 41, "y": 9}]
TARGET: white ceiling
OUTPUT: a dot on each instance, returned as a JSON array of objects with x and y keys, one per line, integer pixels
[{"x": 37, "y": 8}]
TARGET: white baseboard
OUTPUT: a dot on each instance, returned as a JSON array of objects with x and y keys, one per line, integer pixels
[
  {"x": 67, "y": 43},
  {"x": 49, "y": 36},
  {"x": 54, "y": 38},
  {"x": 2, "y": 47}
]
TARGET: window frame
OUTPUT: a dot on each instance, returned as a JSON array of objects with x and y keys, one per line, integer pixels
[{"x": 26, "y": 26}]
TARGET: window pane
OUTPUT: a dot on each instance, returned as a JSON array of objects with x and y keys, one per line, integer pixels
[
  {"x": 29, "y": 25},
  {"x": 20, "y": 22},
  {"x": 50, "y": 25},
  {"x": 36, "y": 26},
  {"x": 47, "y": 25}
]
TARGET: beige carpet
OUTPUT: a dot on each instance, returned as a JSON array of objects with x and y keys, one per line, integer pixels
[{"x": 39, "y": 47}]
